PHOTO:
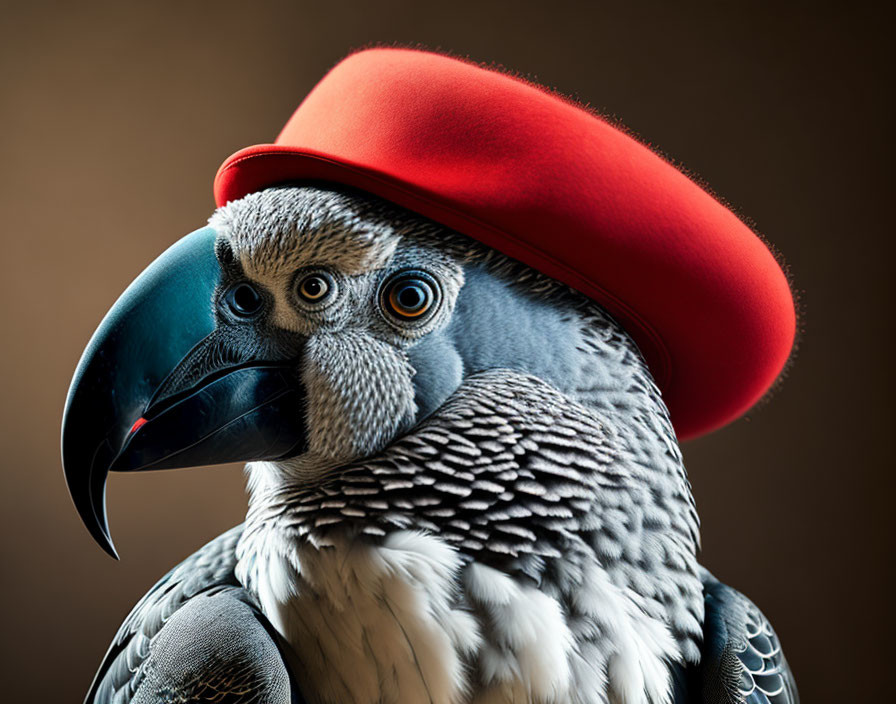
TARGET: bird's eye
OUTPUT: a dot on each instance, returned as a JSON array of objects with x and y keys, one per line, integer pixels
[
  {"x": 244, "y": 300},
  {"x": 410, "y": 295},
  {"x": 315, "y": 287}
]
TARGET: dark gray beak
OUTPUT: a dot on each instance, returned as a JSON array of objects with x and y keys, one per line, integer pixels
[{"x": 161, "y": 385}]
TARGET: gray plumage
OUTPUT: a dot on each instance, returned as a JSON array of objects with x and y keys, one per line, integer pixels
[
  {"x": 742, "y": 659},
  {"x": 727, "y": 673},
  {"x": 197, "y": 635},
  {"x": 493, "y": 505}
]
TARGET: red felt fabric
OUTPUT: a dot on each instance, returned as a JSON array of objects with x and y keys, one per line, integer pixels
[{"x": 549, "y": 183}]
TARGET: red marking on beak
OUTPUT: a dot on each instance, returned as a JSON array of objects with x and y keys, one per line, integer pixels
[{"x": 137, "y": 425}]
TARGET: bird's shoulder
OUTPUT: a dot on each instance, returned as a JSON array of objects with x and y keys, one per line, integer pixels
[
  {"x": 742, "y": 661},
  {"x": 197, "y": 635}
]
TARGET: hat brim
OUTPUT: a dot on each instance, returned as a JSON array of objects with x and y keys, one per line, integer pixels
[{"x": 702, "y": 296}]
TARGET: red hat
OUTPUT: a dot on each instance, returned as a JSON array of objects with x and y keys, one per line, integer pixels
[{"x": 546, "y": 182}]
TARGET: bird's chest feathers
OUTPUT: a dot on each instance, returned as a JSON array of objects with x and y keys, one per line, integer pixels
[
  {"x": 370, "y": 622},
  {"x": 407, "y": 620}
]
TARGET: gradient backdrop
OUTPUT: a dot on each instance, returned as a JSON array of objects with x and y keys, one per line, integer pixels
[{"x": 115, "y": 117}]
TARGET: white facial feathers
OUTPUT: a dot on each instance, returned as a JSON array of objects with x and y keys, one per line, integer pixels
[
  {"x": 354, "y": 367},
  {"x": 359, "y": 394}
]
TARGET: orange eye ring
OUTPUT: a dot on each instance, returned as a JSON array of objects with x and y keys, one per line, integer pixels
[{"x": 410, "y": 295}]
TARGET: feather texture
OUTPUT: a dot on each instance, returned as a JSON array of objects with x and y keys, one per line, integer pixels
[
  {"x": 197, "y": 635},
  {"x": 493, "y": 506},
  {"x": 742, "y": 658},
  {"x": 517, "y": 481}
]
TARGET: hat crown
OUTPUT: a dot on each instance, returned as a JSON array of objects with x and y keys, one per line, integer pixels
[{"x": 549, "y": 183}]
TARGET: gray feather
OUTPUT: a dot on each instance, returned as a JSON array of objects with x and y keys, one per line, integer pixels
[
  {"x": 742, "y": 658},
  {"x": 197, "y": 635},
  {"x": 519, "y": 424},
  {"x": 518, "y": 477}
]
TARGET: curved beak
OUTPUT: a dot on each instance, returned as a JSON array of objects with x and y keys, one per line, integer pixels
[{"x": 161, "y": 385}]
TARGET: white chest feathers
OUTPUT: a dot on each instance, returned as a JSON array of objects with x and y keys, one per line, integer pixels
[{"x": 408, "y": 622}]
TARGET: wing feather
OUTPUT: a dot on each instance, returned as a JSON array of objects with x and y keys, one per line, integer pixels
[
  {"x": 742, "y": 662},
  {"x": 197, "y": 635}
]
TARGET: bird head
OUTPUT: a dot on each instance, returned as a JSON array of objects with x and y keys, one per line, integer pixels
[{"x": 309, "y": 327}]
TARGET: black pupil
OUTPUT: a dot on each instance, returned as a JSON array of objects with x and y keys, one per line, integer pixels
[
  {"x": 246, "y": 299},
  {"x": 411, "y": 297},
  {"x": 313, "y": 287}
]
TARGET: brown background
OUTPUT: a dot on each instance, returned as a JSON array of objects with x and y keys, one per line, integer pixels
[{"x": 115, "y": 117}]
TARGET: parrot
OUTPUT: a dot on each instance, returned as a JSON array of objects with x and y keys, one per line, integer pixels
[{"x": 464, "y": 486}]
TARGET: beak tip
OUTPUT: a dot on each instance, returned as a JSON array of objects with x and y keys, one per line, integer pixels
[
  {"x": 99, "y": 531},
  {"x": 111, "y": 551},
  {"x": 90, "y": 504},
  {"x": 102, "y": 536}
]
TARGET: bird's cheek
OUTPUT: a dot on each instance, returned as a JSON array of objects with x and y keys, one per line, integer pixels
[
  {"x": 438, "y": 372},
  {"x": 359, "y": 394}
]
